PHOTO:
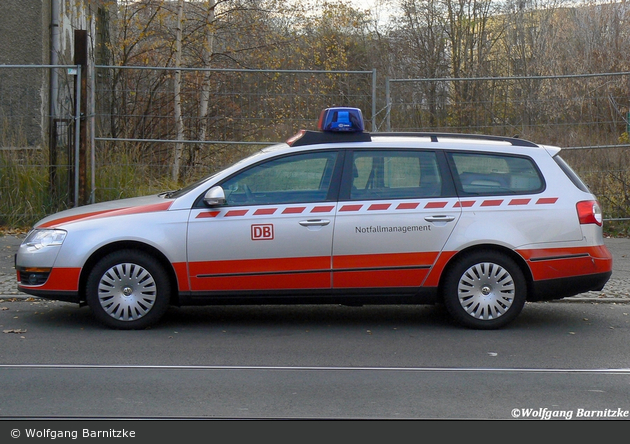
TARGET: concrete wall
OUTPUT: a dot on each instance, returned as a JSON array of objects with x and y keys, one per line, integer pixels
[
  {"x": 24, "y": 32},
  {"x": 25, "y": 36},
  {"x": 23, "y": 92}
]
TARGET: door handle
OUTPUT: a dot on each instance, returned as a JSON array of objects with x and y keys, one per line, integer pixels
[
  {"x": 440, "y": 218},
  {"x": 314, "y": 223}
]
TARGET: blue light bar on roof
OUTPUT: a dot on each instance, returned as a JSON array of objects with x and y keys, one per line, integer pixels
[{"x": 341, "y": 119}]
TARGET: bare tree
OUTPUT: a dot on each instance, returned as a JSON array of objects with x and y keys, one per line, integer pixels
[
  {"x": 177, "y": 86},
  {"x": 207, "y": 50}
]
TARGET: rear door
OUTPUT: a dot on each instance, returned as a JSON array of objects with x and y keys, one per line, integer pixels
[{"x": 395, "y": 214}]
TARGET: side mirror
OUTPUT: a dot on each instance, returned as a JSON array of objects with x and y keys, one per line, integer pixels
[{"x": 214, "y": 196}]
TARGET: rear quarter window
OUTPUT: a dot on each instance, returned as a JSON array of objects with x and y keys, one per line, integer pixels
[
  {"x": 572, "y": 175},
  {"x": 485, "y": 174}
]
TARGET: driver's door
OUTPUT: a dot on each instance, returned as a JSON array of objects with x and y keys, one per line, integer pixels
[{"x": 274, "y": 232}]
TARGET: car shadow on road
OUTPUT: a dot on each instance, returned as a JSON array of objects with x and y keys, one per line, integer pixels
[{"x": 55, "y": 314}]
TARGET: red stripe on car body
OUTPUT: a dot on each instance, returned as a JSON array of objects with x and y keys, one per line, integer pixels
[{"x": 163, "y": 206}]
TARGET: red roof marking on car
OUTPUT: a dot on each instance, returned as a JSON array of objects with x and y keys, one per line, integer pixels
[
  {"x": 547, "y": 200},
  {"x": 374, "y": 207},
  {"x": 408, "y": 206},
  {"x": 351, "y": 208},
  {"x": 236, "y": 213},
  {"x": 519, "y": 201},
  {"x": 207, "y": 214},
  {"x": 265, "y": 211},
  {"x": 293, "y": 210},
  {"x": 323, "y": 209},
  {"x": 162, "y": 206},
  {"x": 435, "y": 205},
  {"x": 492, "y": 203}
]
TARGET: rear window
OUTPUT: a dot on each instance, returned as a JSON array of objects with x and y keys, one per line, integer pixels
[{"x": 483, "y": 174}]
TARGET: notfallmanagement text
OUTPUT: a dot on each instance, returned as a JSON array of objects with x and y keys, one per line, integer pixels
[{"x": 386, "y": 229}]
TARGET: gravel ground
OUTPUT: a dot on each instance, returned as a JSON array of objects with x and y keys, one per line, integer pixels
[{"x": 616, "y": 290}]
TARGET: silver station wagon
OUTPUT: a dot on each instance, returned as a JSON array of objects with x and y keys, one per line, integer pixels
[{"x": 479, "y": 223}]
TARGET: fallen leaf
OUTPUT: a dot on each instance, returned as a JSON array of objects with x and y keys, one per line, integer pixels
[{"x": 14, "y": 330}]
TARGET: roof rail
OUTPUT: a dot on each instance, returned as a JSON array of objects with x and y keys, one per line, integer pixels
[{"x": 515, "y": 141}]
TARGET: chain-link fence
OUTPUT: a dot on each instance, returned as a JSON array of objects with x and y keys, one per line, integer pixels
[
  {"x": 150, "y": 121},
  {"x": 37, "y": 140},
  {"x": 587, "y": 115},
  {"x": 571, "y": 111},
  {"x": 142, "y": 121}
]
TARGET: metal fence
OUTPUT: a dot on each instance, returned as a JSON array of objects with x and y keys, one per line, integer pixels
[
  {"x": 587, "y": 115},
  {"x": 134, "y": 132},
  {"x": 225, "y": 114},
  {"x": 39, "y": 121},
  {"x": 571, "y": 111}
]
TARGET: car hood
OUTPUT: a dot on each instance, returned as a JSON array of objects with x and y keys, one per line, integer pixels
[{"x": 145, "y": 204}]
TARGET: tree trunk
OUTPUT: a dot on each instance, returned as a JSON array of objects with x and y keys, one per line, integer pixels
[
  {"x": 206, "y": 57},
  {"x": 179, "y": 123}
]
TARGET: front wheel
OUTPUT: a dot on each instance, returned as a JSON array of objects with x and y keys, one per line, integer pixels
[
  {"x": 485, "y": 290},
  {"x": 128, "y": 289}
]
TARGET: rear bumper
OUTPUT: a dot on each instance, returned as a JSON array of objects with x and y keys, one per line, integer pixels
[{"x": 550, "y": 289}]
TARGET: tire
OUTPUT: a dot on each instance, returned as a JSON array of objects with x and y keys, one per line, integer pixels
[
  {"x": 484, "y": 290},
  {"x": 128, "y": 290}
]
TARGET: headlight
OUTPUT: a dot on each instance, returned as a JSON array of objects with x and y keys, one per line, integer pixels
[{"x": 38, "y": 239}]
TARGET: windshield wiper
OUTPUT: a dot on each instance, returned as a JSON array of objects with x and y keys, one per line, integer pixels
[{"x": 168, "y": 194}]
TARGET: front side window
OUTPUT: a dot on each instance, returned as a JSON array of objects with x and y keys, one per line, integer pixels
[
  {"x": 400, "y": 174},
  {"x": 298, "y": 178},
  {"x": 483, "y": 174}
]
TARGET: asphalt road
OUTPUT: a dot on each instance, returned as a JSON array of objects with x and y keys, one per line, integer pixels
[
  {"x": 314, "y": 362},
  {"x": 568, "y": 358}
]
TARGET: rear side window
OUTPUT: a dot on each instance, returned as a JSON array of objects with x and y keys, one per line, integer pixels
[
  {"x": 395, "y": 175},
  {"x": 483, "y": 174}
]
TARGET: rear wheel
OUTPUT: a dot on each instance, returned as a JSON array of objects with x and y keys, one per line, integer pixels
[
  {"x": 485, "y": 290},
  {"x": 128, "y": 289}
]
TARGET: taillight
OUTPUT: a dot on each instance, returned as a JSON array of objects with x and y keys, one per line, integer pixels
[{"x": 589, "y": 212}]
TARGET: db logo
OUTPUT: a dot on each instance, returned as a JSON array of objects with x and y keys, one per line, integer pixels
[{"x": 262, "y": 232}]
